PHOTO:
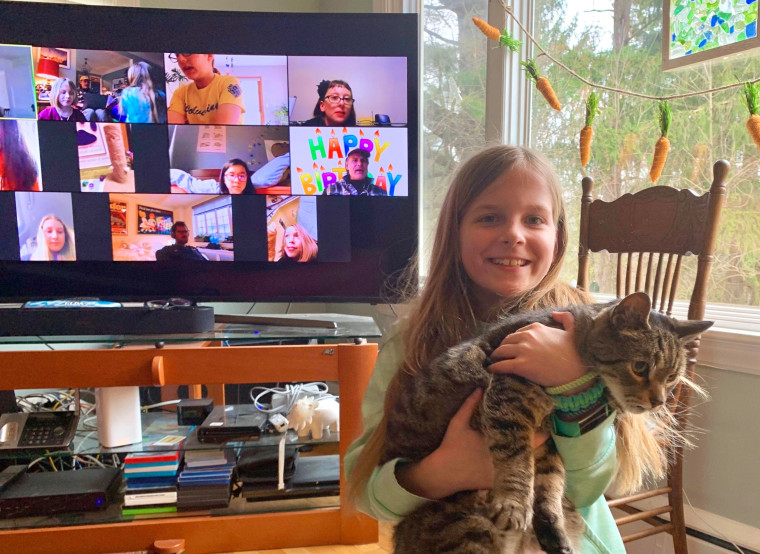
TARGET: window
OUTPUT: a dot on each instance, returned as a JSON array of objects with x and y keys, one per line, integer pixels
[{"x": 618, "y": 43}]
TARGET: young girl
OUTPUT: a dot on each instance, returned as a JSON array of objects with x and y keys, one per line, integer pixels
[
  {"x": 18, "y": 168},
  {"x": 140, "y": 102},
  {"x": 298, "y": 245},
  {"x": 63, "y": 95},
  {"x": 498, "y": 248}
]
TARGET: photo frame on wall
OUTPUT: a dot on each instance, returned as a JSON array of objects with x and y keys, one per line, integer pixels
[
  {"x": 701, "y": 30},
  {"x": 60, "y": 55},
  {"x": 154, "y": 221}
]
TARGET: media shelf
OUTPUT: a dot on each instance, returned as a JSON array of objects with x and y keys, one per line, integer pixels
[{"x": 170, "y": 361}]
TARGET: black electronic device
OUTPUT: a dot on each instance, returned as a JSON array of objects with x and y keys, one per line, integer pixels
[
  {"x": 261, "y": 465},
  {"x": 117, "y": 185},
  {"x": 239, "y": 422},
  {"x": 37, "y": 430},
  {"x": 105, "y": 321},
  {"x": 55, "y": 492},
  {"x": 194, "y": 411},
  {"x": 313, "y": 476},
  {"x": 10, "y": 475}
]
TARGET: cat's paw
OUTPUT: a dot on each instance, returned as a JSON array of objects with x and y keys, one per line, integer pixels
[
  {"x": 551, "y": 534},
  {"x": 510, "y": 514}
]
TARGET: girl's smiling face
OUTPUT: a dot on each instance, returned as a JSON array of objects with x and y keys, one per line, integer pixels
[
  {"x": 508, "y": 238},
  {"x": 66, "y": 97},
  {"x": 293, "y": 244}
]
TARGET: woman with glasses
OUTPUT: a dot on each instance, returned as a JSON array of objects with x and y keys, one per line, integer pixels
[
  {"x": 210, "y": 99},
  {"x": 234, "y": 178},
  {"x": 335, "y": 106}
]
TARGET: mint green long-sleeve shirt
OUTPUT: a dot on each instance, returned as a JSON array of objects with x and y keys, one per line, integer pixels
[{"x": 589, "y": 464}]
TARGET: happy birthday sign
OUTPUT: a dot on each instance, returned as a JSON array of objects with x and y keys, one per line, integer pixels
[{"x": 318, "y": 157}]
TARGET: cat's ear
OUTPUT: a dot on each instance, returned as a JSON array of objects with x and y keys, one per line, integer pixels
[
  {"x": 632, "y": 312},
  {"x": 690, "y": 329}
]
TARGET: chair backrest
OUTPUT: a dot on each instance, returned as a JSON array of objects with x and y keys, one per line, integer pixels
[{"x": 650, "y": 232}]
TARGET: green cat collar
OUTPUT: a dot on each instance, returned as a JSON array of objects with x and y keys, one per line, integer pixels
[
  {"x": 581, "y": 401},
  {"x": 567, "y": 387},
  {"x": 589, "y": 421}
]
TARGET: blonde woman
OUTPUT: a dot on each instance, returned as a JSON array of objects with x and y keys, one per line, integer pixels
[{"x": 55, "y": 241}]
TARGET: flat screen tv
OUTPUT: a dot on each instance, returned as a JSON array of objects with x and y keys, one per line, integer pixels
[{"x": 280, "y": 164}]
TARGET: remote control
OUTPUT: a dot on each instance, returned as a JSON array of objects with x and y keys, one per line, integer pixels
[{"x": 10, "y": 475}]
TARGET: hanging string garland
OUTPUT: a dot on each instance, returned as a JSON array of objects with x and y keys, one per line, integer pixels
[{"x": 749, "y": 91}]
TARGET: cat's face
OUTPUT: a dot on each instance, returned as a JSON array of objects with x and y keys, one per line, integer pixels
[{"x": 640, "y": 354}]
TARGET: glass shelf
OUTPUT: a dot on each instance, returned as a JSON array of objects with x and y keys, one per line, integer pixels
[
  {"x": 157, "y": 425},
  {"x": 347, "y": 327}
]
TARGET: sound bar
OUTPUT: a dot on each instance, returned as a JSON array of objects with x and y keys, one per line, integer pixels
[{"x": 21, "y": 322}]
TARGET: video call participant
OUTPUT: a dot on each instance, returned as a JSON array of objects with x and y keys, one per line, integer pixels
[
  {"x": 55, "y": 241},
  {"x": 18, "y": 169},
  {"x": 211, "y": 98},
  {"x": 140, "y": 102},
  {"x": 335, "y": 105},
  {"x": 298, "y": 245},
  {"x": 234, "y": 178},
  {"x": 90, "y": 114},
  {"x": 62, "y": 96},
  {"x": 356, "y": 183},
  {"x": 179, "y": 250}
]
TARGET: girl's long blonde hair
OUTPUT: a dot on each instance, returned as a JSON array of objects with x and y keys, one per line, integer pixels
[
  {"x": 138, "y": 76},
  {"x": 443, "y": 315}
]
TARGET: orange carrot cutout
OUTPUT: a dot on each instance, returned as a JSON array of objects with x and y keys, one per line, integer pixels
[
  {"x": 587, "y": 133},
  {"x": 493, "y": 33},
  {"x": 542, "y": 83},
  {"x": 749, "y": 95},
  {"x": 663, "y": 143}
]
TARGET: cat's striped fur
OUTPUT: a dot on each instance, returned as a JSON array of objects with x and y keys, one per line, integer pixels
[{"x": 639, "y": 355}]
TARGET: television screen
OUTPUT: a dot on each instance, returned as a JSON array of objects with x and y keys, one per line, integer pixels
[{"x": 278, "y": 164}]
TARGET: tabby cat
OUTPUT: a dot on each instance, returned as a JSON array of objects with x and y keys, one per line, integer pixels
[{"x": 639, "y": 356}]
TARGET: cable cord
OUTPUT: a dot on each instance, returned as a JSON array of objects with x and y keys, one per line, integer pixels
[
  {"x": 284, "y": 398},
  {"x": 713, "y": 529}
]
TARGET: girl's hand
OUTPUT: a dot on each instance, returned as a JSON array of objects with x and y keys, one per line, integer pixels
[
  {"x": 545, "y": 355},
  {"x": 462, "y": 462}
]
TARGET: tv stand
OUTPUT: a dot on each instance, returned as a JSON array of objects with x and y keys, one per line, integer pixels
[
  {"x": 267, "y": 526},
  {"x": 21, "y": 322}
]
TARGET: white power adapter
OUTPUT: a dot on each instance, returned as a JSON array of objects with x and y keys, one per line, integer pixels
[{"x": 279, "y": 422}]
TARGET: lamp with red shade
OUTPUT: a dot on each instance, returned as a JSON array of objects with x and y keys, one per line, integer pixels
[{"x": 47, "y": 68}]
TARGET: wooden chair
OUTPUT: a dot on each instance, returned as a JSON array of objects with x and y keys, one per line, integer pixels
[{"x": 650, "y": 232}]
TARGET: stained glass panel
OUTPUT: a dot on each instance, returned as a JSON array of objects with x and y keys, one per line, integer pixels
[{"x": 698, "y": 26}]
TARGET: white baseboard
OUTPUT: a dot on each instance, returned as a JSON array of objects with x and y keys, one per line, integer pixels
[{"x": 712, "y": 524}]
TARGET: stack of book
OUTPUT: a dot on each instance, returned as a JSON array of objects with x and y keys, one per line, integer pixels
[
  {"x": 151, "y": 482},
  {"x": 206, "y": 478}
]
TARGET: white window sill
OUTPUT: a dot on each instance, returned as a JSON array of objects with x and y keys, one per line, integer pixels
[{"x": 732, "y": 343}]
